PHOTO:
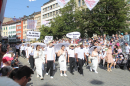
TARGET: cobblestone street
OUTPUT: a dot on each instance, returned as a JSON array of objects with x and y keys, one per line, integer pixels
[{"x": 117, "y": 77}]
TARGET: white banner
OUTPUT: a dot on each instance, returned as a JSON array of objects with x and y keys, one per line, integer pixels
[
  {"x": 49, "y": 38},
  {"x": 62, "y": 3},
  {"x": 45, "y": 23},
  {"x": 74, "y": 35},
  {"x": 91, "y": 3},
  {"x": 33, "y": 34},
  {"x": 2, "y": 11},
  {"x": 31, "y": 24},
  {"x": 32, "y": 0}
]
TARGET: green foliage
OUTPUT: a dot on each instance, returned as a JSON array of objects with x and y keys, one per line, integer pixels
[{"x": 108, "y": 17}]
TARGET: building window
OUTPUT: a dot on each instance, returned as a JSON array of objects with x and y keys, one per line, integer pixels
[
  {"x": 6, "y": 33},
  {"x": 56, "y": 4},
  {"x": 79, "y": 3},
  {"x": 56, "y": 12},
  {"x": 53, "y": 5},
  {"x": 50, "y": 7},
  {"x": 53, "y": 12},
  {"x": 48, "y": 14},
  {"x": 83, "y": 2},
  {"x": 43, "y": 9},
  {"x": 6, "y": 28}
]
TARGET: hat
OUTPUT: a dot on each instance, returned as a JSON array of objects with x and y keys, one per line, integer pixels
[
  {"x": 71, "y": 45},
  {"x": 6, "y": 59}
]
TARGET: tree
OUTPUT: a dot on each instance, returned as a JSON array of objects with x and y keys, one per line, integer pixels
[{"x": 109, "y": 16}]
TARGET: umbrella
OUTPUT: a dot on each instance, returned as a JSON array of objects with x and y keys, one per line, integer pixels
[
  {"x": 57, "y": 47},
  {"x": 92, "y": 48},
  {"x": 41, "y": 44}
]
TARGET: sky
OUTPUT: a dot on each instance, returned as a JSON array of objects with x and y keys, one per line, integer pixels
[{"x": 18, "y": 8}]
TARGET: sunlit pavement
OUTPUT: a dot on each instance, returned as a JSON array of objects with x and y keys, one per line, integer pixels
[{"x": 117, "y": 77}]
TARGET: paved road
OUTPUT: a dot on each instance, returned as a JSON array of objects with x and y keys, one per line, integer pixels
[{"x": 117, "y": 77}]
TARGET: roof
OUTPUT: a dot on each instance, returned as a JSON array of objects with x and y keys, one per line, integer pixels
[
  {"x": 48, "y": 2},
  {"x": 11, "y": 22}
]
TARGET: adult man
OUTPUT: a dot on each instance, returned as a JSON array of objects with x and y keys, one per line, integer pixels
[
  {"x": 23, "y": 50},
  {"x": 71, "y": 58},
  {"x": 127, "y": 49},
  {"x": 80, "y": 54},
  {"x": 17, "y": 49},
  {"x": 103, "y": 56},
  {"x": 6, "y": 61},
  {"x": 4, "y": 79},
  {"x": 126, "y": 37},
  {"x": 23, "y": 75},
  {"x": 50, "y": 58}
]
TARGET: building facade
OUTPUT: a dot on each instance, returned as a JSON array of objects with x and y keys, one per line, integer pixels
[
  {"x": 4, "y": 32},
  {"x": 38, "y": 18},
  {"x": 49, "y": 10},
  {"x": 19, "y": 31}
]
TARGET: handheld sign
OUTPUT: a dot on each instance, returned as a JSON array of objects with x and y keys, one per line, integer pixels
[
  {"x": 49, "y": 38},
  {"x": 73, "y": 35},
  {"x": 33, "y": 34}
]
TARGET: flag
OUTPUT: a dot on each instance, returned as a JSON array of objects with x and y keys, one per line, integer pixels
[
  {"x": 62, "y": 3},
  {"x": 32, "y": 0},
  {"x": 91, "y": 3},
  {"x": 31, "y": 24},
  {"x": 2, "y": 11},
  {"x": 45, "y": 23}
]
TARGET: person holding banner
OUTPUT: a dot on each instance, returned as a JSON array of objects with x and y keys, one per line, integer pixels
[
  {"x": 39, "y": 61},
  {"x": 50, "y": 59},
  {"x": 80, "y": 54},
  {"x": 62, "y": 60}
]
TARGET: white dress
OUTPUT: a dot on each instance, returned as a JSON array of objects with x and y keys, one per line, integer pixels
[
  {"x": 62, "y": 62},
  {"x": 39, "y": 60},
  {"x": 95, "y": 62}
]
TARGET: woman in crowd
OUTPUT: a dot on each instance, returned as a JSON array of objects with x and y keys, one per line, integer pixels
[
  {"x": 94, "y": 60},
  {"x": 39, "y": 61},
  {"x": 109, "y": 59},
  {"x": 62, "y": 60}
]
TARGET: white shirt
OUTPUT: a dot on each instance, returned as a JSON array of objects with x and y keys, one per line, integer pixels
[
  {"x": 5, "y": 81},
  {"x": 29, "y": 50},
  {"x": 80, "y": 53},
  {"x": 17, "y": 46},
  {"x": 50, "y": 53},
  {"x": 103, "y": 55},
  {"x": 22, "y": 48},
  {"x": 127, "y": 48},
  {"x": 32, "y": 52},
  {"x": 86, "y": 51},
  {"x": 71, "y": 53}
]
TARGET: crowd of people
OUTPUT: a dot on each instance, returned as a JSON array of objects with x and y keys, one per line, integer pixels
[{"x": 90, "y": 52}]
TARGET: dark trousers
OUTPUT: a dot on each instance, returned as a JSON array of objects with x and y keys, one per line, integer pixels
[
  {"x": 72, "y": 63},
  {"x": 23, "y": 52},
  {"x": 17, "y": 50},
  {"x": 50, "y": 66},
  {"x": 81, "y": 62},
  {"x": 87, "y": 60},
  {"x": 31, "y": 61}
]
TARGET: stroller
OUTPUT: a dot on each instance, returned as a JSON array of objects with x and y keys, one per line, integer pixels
[{"x": 121, "y": 61}]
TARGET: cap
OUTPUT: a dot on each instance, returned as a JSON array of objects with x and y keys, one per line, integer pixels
[
  {"x": 6, "y": 59},
  {"x": 50, "y": 42}
]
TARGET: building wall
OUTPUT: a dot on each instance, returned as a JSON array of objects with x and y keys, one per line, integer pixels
[
  {"x": 6, "y": 19},
  {"x": 38, "y": 18},
  {"x": 4, "y": 31},
  {"x": 49, "y": 11},
  {"x": 12, "y": 33},
  {"x": 19, "y": 31}
]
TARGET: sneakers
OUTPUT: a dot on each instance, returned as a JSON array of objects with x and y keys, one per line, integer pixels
[
  {"x": 61, "y": 74},
  {"x": 51, "y": 77},
  {"x": 65, "y": 75},
  {"x": 90, "y": 69},
  {"x": 47, "y": 74},
  {"x": 96, "y": 72}
]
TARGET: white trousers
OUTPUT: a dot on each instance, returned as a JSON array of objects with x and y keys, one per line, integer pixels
[
  {"x": 39, "y": 67},
  {"x": 94, "y": 64}
]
